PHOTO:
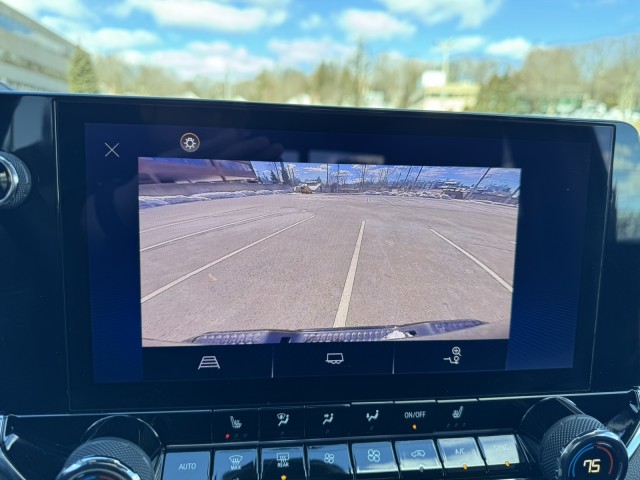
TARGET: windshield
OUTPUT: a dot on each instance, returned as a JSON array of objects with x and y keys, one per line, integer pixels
[{"x": 576, "y": 58}]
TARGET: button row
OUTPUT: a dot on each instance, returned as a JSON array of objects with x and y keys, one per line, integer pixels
[
  {"x": 330, "y": 421},
  {"x": 414, "y": 459}
]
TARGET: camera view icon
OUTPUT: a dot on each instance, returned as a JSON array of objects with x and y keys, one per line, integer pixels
[
  {"x": 456, "y": 356},
  {"x": 189, "y": 142},
  {"x": 335, "y": 358}
]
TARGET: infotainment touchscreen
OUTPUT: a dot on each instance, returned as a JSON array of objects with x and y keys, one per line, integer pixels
[
  {"x": 233, "y": 243},
  {"x": 249, "y": 252}
]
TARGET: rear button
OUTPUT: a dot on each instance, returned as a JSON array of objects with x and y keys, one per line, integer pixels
[{"x": 285, "y": 463}]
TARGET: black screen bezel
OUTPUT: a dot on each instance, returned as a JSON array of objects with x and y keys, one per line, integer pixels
[{"x": 73, "y": 114}]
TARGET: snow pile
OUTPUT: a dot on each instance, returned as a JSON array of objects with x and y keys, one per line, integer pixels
[{"x": 161, "y": 200}]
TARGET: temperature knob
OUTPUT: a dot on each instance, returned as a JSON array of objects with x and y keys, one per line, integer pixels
[{"x": 570, "y": 445}]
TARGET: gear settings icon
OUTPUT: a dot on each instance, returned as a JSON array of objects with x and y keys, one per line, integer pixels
[{"x": 189, "y": 142}]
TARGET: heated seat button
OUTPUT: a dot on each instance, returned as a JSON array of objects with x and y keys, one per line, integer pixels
[
  {"x": 326, "y": 421},
  {"x": 281, "y": 423},
  {"x": 239, "y": 464},
  {"x": 418, "y": 459},
  {"x": 372, "y": 418},
  {"x": 283, "y": 463},
  {"x": 461, "y": 455},
  {"x": 500, "y": 452},
  {"x": 458, "y": 415},
  {"x": 235, "y": 425},
  {"x": 329, "y": 462},
  {"x": 374, "y": 460},
  {"x": 186, "y": 466}
]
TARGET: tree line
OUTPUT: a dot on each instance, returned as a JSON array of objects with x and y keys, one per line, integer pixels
[{"x": 604, "y": 73}]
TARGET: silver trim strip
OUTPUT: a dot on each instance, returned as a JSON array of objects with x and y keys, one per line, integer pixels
[
  {"x": 13, "y": 178},
  {"x": 634, "y": 442},
  {"x": 7, "y": 470},
  {"x": 94, "y": 465}
]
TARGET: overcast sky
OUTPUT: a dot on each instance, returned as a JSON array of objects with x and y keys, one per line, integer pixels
[{"x": 241, "y": 37}]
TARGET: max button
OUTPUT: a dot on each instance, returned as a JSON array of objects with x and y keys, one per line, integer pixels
[{"x": 186, "y": 466}]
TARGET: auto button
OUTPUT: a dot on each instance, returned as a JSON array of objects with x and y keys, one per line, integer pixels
[{"x": 186, "y": 466}]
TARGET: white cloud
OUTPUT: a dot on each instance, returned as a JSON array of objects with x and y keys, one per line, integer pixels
[
  {"x": 515, "y": 48},
  {"x": 470, "y": 13},
  {"x": 464, "y": 44},
  {"x": 104, "y": 40},
  {"x": 312, "y": 22},
  {"x": 215, "y": 59},
  {"x": 111, "y": 39},
  {"x": 214, "y": 15},
  {"x": 308, "y": 51},
  {"x": 373, "y": 25},
  {"x": 66, "y": 8}
]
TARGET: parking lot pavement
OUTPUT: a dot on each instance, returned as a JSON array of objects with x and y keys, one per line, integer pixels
[{"x": 321, "y": 261}]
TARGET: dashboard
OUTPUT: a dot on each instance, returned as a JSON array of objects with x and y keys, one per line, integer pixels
[{"x": 234, "y": 291}]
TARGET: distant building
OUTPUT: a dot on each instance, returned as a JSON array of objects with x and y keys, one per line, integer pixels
[
  {"x": 439, "y": 95},
  {"x": 32, "y": 57}
]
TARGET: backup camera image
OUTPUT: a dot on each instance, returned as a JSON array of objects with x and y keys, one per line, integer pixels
[{"x": 247, "y": 252}]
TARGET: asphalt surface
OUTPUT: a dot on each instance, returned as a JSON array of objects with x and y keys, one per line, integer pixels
[{"x": 299, "y": 261}]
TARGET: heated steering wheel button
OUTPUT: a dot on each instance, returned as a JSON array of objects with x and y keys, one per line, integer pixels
[
  {"x": 500, "y": 452},
  {"x": 374, "y": 460},
  {"x": 418, "y": 459},
  {"x": 461, "y": 455},
  {"x": 186, "y": 466}
]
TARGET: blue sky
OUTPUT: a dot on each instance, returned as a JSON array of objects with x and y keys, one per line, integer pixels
[
  {"x": 239, "y": 38},
  {"x": 350, "y": 173}
]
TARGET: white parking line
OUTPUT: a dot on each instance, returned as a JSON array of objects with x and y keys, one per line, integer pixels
[
  {"x": 193, "y": 219},
  {"x": 388, "y": 201},
  {"x": 343, "y": 308},
  {"x": 497, "y": 277},
  {"x": 212, "y": 229},
  {"x": 215, "y": 262}
]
